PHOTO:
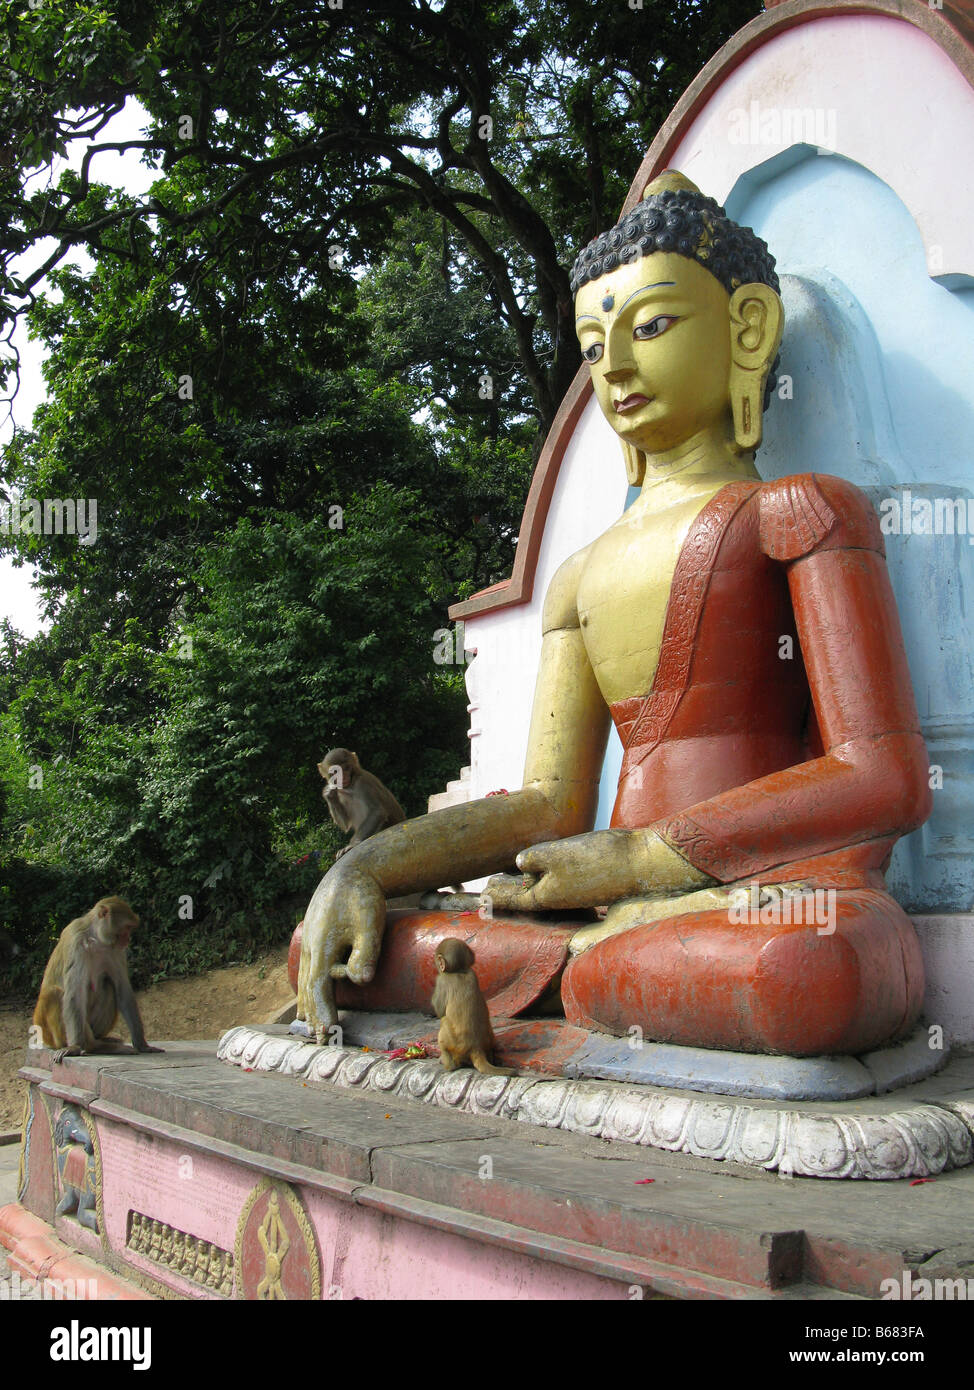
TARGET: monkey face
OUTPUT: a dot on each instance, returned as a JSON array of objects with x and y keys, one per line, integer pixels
[
  {"x": 124, "y": 931},
  {"x": 339, "y": 767},
  {"x": 115, "y": 922}
]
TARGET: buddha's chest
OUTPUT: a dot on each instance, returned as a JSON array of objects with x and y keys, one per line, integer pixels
[{"x": 624, "y": 592}]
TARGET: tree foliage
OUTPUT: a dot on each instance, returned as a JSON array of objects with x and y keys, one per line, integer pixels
[{"x": 286, "y": 129}]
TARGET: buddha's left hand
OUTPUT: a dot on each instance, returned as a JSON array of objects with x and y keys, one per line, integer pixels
[{"x": 602, "y": 866}]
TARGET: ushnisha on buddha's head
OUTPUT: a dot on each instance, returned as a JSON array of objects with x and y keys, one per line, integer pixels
[{"x": 678, "y": 315}]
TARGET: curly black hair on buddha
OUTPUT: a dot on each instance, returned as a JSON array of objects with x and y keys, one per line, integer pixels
[
  {"x": 676, "y": 216},
  {"x": 690, "y": 224}
]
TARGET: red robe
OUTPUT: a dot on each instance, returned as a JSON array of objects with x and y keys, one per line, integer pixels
[
  {"x": 780, "y": 742},
  {"x": 750, "y": 759}
]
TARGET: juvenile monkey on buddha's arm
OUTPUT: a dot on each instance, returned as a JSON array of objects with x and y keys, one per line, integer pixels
[
  {"x": 345, "y": 920},
  {"x": 86, "y": 984}
]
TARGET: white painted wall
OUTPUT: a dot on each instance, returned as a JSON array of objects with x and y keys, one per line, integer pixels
[
  {"x": 901, "y": 109},
  {"x": 590, "y": 494}
]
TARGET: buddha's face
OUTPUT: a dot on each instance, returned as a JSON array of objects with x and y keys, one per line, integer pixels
[{"x": 657, "y": 335}]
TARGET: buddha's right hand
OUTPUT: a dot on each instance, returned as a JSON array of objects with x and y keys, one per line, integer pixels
[{"x": 342, "y": 937}]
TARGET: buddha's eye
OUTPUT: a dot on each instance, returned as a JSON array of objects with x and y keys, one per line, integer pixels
[
  {"x": 655, "y": 327},
  {"x": 593, "y": 352}
]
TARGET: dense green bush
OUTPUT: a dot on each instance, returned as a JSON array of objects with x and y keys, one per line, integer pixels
[{"x": 191, "y": 786}]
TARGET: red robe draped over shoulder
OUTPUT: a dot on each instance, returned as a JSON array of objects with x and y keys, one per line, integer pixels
[{"x": 781, "y": 735}]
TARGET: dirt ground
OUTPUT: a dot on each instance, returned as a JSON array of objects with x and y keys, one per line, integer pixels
[{"x": 202, "y": 1007}]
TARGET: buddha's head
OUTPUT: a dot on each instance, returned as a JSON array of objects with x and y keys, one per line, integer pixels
[{"x": 678, "y": 314}]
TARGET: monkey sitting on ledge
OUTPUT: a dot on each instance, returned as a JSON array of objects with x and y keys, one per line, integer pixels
[
  {"x": 466, "y": 1037},
  {"x": 86, "y": 983},
  {"x": 356, "y": 800}
]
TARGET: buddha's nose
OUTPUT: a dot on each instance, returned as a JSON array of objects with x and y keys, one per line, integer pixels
[
  {"x": 618, "y": 371},
  {"x": 618, "y": 361}
]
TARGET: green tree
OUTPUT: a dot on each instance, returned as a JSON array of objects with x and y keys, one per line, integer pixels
[{"x": 287, "y": 130}]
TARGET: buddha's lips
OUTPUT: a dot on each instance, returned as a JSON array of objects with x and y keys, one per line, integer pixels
[{"x": 631, "y": 403}]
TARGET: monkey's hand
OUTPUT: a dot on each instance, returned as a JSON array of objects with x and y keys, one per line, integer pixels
[
  {"x": 342, "y": 937},
  {"x": 149, "y": 1048},
  {"x": 588, "y": 870}
]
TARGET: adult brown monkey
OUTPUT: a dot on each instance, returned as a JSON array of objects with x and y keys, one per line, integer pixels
[
  {"x": 355, "y": 798},
  {"x": 466, "y": 1037},
  {"x": 86, "y": 983}
]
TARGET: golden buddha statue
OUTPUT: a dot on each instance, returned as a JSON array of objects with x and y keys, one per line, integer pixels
[{"x": 744, "y": 639}]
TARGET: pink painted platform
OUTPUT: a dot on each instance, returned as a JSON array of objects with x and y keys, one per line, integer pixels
[{"x": 208, "y": 1181}]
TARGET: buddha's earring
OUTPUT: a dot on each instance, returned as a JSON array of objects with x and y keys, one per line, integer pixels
[
  {"x": 635, "y": 461},
  {"x": 756, "y": 321},
  {"x": 747, "y": 400}
]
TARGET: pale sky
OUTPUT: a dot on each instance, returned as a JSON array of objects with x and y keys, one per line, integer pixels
[{"x": 18, "y": 600}]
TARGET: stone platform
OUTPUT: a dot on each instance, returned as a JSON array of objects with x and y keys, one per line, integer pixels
[
  {"x": 212, "y": 1181},
  {"x": 552, "y": 1046},
  {"x": 915, "y": 1132}
]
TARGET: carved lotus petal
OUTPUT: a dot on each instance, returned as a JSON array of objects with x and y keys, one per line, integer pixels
[
  {"x": 760, "y": 1136},
  {"x": 711, "y": 1127},
  {"x": 454, "y": 1086},
  {"x": 232, "y": 1043},
  {"x": 964, "y": 1109},
  {"x": 668, "y": 1121},
  {"x": 545, "y": 1102},
  {"x": 626, "y": 1118},
  {"x": 511, "y": 1100},
  {"x": 387, "y": 1074},
  {"x": 325, "y": 1063},
  {"x": 301, "y": 1058},
  {"x": 959, "y": 1128},
  {"x": 588, "y": 1106},
  {"x": 933, "y": 1131},
  {"x": 888, "y": 1151},
  {"x": 820, "y": 1146},
  {"x": 420, "y": 1080},
  {"x": 486, "y": 1092},
  {"x": 357, "y": 1067},
  {"x": 274, "y": 1054}
]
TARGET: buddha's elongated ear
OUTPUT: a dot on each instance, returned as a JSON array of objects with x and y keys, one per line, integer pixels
[
  {"x": 635, "y": 461},
  {"x": 756, "y": 321}
]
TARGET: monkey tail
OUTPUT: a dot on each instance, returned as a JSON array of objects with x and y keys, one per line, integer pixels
[{"x": 480, "y": 1061}]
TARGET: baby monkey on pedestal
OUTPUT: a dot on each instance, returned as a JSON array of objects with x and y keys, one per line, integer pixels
[
  {"x": 86, "y": 983},
  {"x": 356, "y": 800},
  {"x": 466, "y": 1037}
]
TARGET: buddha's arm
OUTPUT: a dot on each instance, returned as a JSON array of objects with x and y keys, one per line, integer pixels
[
  {"x": 344, "y": 923},
  {"x": 566, "y": 748},
  {"x": 872, "y": 782}
]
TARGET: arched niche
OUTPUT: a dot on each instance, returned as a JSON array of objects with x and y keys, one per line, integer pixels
[{"x": 833, "y": 160}]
